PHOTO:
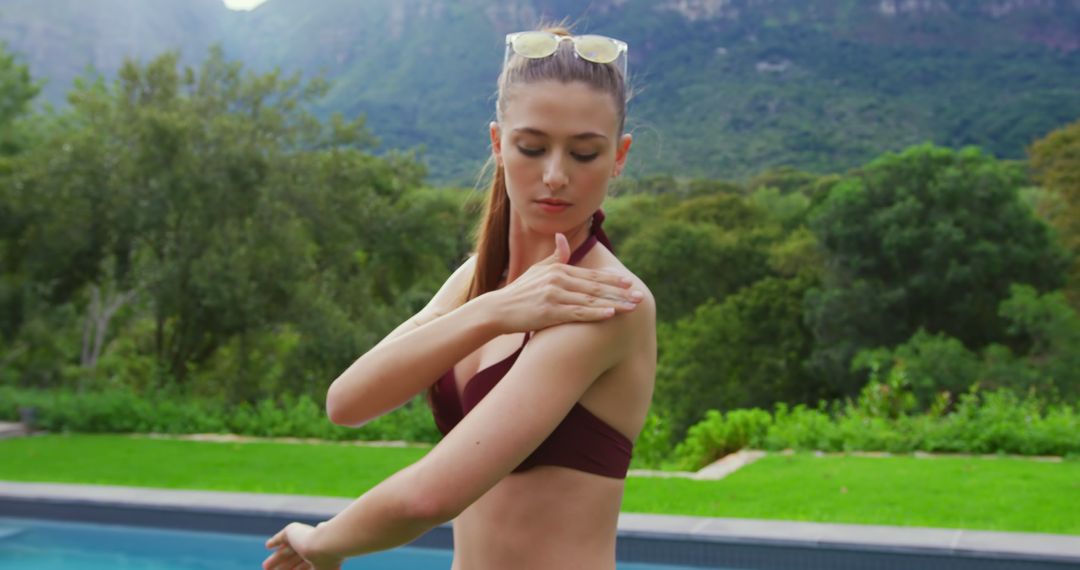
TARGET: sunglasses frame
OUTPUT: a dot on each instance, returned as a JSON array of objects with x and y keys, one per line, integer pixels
[{"x": 622, "y": 49}]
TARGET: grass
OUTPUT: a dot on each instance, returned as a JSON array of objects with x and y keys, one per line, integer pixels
[
  {"x": 317, "y": 469},
  {"x": 998, "y": 494},
  {"x": 1002, "y": 494}
]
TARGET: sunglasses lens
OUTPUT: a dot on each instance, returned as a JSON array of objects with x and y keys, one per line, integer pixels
[
  {"x": 597, "y": 49},
  {"x": 535, "y": 44}
]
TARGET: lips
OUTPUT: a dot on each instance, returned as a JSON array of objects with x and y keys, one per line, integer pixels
[{"x": 552, "y": 206}]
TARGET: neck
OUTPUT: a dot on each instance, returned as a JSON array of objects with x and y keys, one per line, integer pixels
[{"x": 528, "y": 247}]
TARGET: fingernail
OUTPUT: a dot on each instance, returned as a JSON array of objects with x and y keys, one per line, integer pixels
[
  {"x": 637, "y": 295},
  {"x": 626, "y": 281}
]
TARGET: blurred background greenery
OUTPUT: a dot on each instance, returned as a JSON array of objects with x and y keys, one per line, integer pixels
[{"x": 860, "y": 223}]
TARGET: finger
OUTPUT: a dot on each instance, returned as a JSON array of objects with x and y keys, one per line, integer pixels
[
  {"x": 562, "y": 250},
  {"x": 563, "y": 247},
  {"x": 573, "y": 298},
  {"x": 605, "y": 276},
  {"x": 602, "y": 291},
  {"x": 584, "y": 314},
  {"x": 282, "y": 558},
  {"x": 276, "y": 540},
  {"x": 614, "y": 294},
  {"x": 583, "y": 311},
  {"x": 303, "y": 565},
  {"x": 289, "y": 562}
]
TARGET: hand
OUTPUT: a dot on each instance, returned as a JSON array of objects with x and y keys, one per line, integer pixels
[
  {"x": 295, "y": 550},
  {"x": 552, "y": 292}
]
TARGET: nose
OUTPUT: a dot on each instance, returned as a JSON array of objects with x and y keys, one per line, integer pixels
[{"x": 555, "y": 172}]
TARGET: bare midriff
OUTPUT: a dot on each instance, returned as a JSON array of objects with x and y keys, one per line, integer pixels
[{"x": 546, "y": 517}]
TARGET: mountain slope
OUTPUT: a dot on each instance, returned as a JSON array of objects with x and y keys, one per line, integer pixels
[{"x": 725, "y": 88}]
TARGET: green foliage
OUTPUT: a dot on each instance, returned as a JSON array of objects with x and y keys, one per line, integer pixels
[
  {"x": 1051, "y": 329},
  {"x": 928, "y": 238},
  {"x": 797, "y": 254},
  {"x": 199, "y": 231},
  {"x": 1056, "y": 161},
  {"x": 801, "y": 84},
  {"x": 786, "y": 180},
  {"x": 241, "y": 248},
  {"x": 801, "y": 427},
  {"x": 720, "y": 434},
  {"x": 249, "y": 364},
  {"x": 931, "y": 363},
  {"x": 654, "y": 444},
  {"x": 887, "y": 398},
  {"x": 721, "y": 91},
  {"x": 747, "y": 351},
  {"x": 125, "y": 411},
  {"x": 937, "y": 364},
  {"x": 48, "y": 337},
  {"x": 628, "y": 215},
  {"x": 983, "y": 422},
  {"x": 687, "y": 264},
  {"x": 17, "y": 90},
  {"x": 724, "y": 211},
  {"x": 787, "y": 210}
]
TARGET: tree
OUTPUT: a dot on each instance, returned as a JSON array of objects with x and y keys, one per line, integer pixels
[
  {"x": 1056, "y": 161},
  {"x": 1052, "y": 331},
  {"x": 686, "y": 264},
  {"x": 786, "y": 179},
  {"x": 928, "y": 238},
  {"x": 747, "y": 351},
  {"x": 17, "y": 90},
  {"x": 265, "y": 249}
]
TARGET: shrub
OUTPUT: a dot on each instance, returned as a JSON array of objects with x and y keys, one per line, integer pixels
[
  {"x": 653, "y": 447},
  {"x": 999, "y": 421},
  {"x": 125, "y": 411},
  {"x": 720, "y": 434}
]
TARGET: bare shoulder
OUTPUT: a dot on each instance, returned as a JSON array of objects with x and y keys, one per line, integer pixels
[
  {"x": 648, "y": 301},
  {"x": 644, "y": 317}
]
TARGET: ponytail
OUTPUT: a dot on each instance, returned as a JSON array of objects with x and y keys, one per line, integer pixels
[{"x": 492, "y": 240}]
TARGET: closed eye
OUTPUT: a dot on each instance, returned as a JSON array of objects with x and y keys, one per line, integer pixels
[{"x": 539, "y": 151}]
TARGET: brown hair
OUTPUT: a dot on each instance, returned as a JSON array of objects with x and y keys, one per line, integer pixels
[{"x": 492, "y": 234}]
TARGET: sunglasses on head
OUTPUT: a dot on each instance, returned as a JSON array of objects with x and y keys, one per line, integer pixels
[{"x": 594, "y": 48}]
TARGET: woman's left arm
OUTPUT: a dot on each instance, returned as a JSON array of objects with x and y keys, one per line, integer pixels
[{"x": 550, "y": 375}]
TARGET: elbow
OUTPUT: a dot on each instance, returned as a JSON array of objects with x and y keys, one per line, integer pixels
[
  {"x": 430, "y": 509},
  {"x": 425, "y": 498}
]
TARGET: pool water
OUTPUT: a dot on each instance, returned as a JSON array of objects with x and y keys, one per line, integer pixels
[{"x": 30, "y": 544}]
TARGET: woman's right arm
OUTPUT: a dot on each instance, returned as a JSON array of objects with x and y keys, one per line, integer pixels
[{"x": 413, "y": 355}]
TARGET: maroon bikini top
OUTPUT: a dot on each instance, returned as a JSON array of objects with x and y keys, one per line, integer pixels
[{"x": 581, "y": 441}]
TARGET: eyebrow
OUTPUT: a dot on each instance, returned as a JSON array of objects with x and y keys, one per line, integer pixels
[{"x": 579, "y": 136}]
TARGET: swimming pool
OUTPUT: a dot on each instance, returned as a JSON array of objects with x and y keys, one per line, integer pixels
[
  {"x": 35, "y": 516},
  {"x": 30, "y": 544}
]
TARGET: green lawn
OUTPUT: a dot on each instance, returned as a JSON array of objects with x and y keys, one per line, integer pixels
[
  {"x": 998, "y": 494},
  {"x": 988, "y": 494}
]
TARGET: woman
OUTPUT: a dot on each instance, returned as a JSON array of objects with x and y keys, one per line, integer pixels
[{"x": 539, "y": 366}]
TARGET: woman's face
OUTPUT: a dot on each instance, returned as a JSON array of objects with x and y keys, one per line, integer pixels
[{"x": 557, "y": 142}]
